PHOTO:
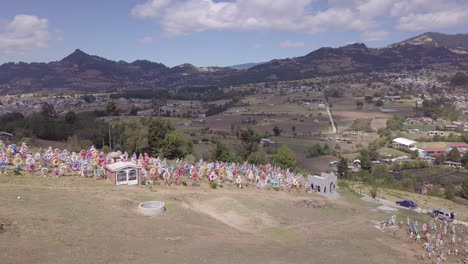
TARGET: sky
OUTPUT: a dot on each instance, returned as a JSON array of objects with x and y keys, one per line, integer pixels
[{"x": 213, "y": 32}]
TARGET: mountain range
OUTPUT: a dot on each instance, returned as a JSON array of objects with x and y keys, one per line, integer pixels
[
  {"x": 456, "y": 43},
  {"x": 80, "y": 71}
]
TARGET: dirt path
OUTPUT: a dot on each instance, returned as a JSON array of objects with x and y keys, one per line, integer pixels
[{"x": 331, "y": 120}]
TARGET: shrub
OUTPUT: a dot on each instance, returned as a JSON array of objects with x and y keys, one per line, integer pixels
[{"x": 213, "y": 185}]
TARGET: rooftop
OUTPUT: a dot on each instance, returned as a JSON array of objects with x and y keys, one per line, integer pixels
[
  {"x": 122, "y": 165},
  {"x": 404, "y": 141}
]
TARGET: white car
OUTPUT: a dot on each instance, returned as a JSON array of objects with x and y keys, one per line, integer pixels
[{"x": 442, "y": 214}]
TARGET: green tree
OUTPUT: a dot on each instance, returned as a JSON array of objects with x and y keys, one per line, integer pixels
[
  {"x": 314, "y": 151},
  {"x": 48, "y": 111},
  {"x": 366, "y": 163},
  {"x": 449, "y": 192},
  {"x": 285, "y": 158},
  {"x": 380, "y": 173},
  {"x": 464, "y": 160},
  {"x": 174, "y": 146},
  {"x": 158, "y": 129},
  {"x": 111, "y": 109},
  {"x": 459, "y": 78},
  {"x": 70, "y": 117},
  {"x": 343, "y": 168},
  {"x": 250, "y": 142},
  {"x": 439, "y": 160},
  {"x": 221, "y": 153},
  {"x": 276, "y": 131},
  {"x": 136, "y": 137},
  {"x": 464, "y": 189},
  {"x": 359, "y": 104},
  {"x": 454, "y": 155}
]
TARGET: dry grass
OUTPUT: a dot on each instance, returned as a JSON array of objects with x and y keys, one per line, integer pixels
[{"x": 74, "y": 220}]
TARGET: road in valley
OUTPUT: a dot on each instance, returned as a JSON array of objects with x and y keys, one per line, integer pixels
[{"x": 331, "y": 120}]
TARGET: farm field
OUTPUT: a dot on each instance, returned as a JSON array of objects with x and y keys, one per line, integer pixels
[{"x": 77, "y": 220}]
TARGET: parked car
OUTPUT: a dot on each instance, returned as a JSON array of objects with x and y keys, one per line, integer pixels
[
  {"x": 448, "y": 216},
  {"x": 407, "y": 203}
]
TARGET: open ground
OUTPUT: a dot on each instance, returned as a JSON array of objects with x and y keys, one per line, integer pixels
[{"x": 77, "y": 220}]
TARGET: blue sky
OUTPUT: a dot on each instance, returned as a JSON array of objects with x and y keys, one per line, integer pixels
[{"x": 213, "y": 33}]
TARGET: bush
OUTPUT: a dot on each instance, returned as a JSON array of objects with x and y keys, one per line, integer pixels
[{"x": 213, "y": 185}]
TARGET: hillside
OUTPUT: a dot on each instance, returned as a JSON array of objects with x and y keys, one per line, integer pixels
[
  {"x": 81, "y": 71},
  {"x": 351, "y": 59},
  {"x": 456, "y": 43}
]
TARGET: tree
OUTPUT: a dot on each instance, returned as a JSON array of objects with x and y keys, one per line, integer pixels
[
  {"x": 136, "y": 136},
  {"x": 258, "y": 157},
  {"x": 314, "y": 151},
  {"x": 449, "y": 192},
  {"x": 70, "y": 117},
  {"x": 221, "y": 153},
  {"x": 459, "y": 78},
  {"x": 174, "y": 146},
  {"x": 439, "y": 160},
  {"x": 293, "y": 128},
  {"x": 285, "y": 158},
  {"x": 343, "y": 168},
  {"x": 359, "y": 104},
  {"x": 158, "y": 129},
  {"x": 368, "y": 99},
  {"x": 366, "y": 163},
  {"x": 381, "y": 173},
  {"x": 111, "y": 108},
  {"x": 464, "y": 160},
  {"x": 250, "y": 142},
  {"x": 276, "y": 131},
  {"x": 464, "y": 189},
  {"x": 379, "y": 103},
  {"x": 454, "y": 155},
  {"x": 48, "y": 111}
]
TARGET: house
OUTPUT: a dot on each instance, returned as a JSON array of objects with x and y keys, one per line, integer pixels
[
  {"x": 453, "y": 164},
  {"x": 265, "y": 142},
  {"x": 403, "y": 143},
  {"x": 460, "y": 147},
  {"x": 435, "y": 133},
  {"x": 450, "y": 127},
  {"x": 431, "y": 152},
  {"x": 325, "y": 183},
  {"x": 124, "y": 173},
  {"x": 413, "y": 130},
  {"x": 5, "y": 136}
]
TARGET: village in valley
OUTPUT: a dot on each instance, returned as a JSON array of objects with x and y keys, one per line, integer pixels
[
  {"x": 341, "y": 137},
  {"x": 379, "y": 135}
]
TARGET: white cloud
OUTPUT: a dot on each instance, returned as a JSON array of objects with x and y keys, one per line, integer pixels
[
  {"x": 24, "y": 33},
  {"x": 292, "y": 44},
  {"x": 370, "y": 36},
  {"x": 182, "y": 17},
  {"x": 189, "y": 16},
  {"x": 433, "y": 21},
  {"x": 145, "y": 40}
]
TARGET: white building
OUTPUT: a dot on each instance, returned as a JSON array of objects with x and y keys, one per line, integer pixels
[
  {"x": 403, "y": 143},
  {"x": 325, "y": 183}
]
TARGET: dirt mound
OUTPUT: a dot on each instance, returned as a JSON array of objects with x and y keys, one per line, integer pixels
[{"x": 312, "y": 204}]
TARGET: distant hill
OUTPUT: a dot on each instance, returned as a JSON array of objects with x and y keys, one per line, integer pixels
[
  {"x": 351, "y": 59},
  {"x": 457, "y": 43},
  {"x": 81, "y": 71},
  {"x": 244, "y": 66}
]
